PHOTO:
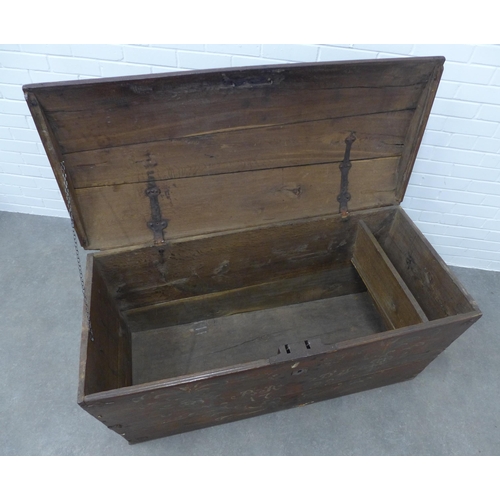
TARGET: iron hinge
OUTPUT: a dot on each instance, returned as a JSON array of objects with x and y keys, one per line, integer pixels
[
  {"x": 157, "y": 224},
  {"x": 344, "y": 197}
]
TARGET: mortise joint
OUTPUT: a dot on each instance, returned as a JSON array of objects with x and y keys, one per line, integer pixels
[{"x": 298, "y": 350}]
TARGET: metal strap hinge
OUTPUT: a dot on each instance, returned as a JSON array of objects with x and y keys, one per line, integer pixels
[
  {"x": 344, "y": 197},
  {"x": 157, "y": 224}
]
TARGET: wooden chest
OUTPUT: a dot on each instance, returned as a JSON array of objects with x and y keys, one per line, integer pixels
[{"x": 254, "y": 256}]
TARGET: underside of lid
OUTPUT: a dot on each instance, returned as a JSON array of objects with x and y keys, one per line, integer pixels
[{"x": 211, "y": 151}]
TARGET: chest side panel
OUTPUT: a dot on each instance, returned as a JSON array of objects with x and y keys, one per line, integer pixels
[{"x": 148, "y": 412}]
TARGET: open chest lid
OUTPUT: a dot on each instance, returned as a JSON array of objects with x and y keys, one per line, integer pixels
[{"x": 155, "y": 157}]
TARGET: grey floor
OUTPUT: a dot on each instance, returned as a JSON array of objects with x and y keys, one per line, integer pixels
[{"x": 452, "y": 408}]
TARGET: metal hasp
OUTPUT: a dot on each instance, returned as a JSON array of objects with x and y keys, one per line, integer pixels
[
  {"x": 156, "y": 224},
  {"x": 345, "y": 166}
]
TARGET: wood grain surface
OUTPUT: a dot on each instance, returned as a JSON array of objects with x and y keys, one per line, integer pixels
[
  {"x": 118, "y": 216},
  {"x": 132, "y": 110},
  {"x": 380, "y": 135},
  {"x": 196, "y": 266},
  {"x": 396, "y": 303},
  {"x": 235, "y": 148},
  {"x": 436, "y": 289},
  {"x": 271, "y": 294},
  {"x": 252, "y": 304},
  {"x": 106, "y": 354},
  {"x": 166, "y": 407},
  {"x": 221, "y": 342}
]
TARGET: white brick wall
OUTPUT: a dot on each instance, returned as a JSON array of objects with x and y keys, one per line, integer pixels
[{"x": 454, "y": 192}]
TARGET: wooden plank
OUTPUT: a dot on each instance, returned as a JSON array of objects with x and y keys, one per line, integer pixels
[
  {"x": 415, "y": 131},
  {"x": 394, "y": 300},
  {"x": 54, "y": 154},
  {"x": 106, "y": 361},
  {"x": 117, "y": 216},
  {"x": 201, "y": 265},
  {"x": 134, "y": 110},
  {"x": 137, "y": 432},
  {"x": 95, "y": 93},
  {"x": 171, "y": 406},
  {"x": 378, "y": 135},
  {"x": 221, "y": 342},
  {"x": 85, "y": 336},
  {"x": 436, "y": 289},
  {"x": 327, "y": 283},
  {"x": 227, "y": 121},
  {"x": 161, "y": 118}
]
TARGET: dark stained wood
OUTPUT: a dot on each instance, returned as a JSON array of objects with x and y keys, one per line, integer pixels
[
  {"x": 106, "y": 362},
  {"x": 162, "y": 408},
  {"x": 182, "y": 129},
  {"x": 251, "y": 304},
  {"x": 212, "y": 113},
  {"x": 396, "y": 303},
  {"x": 117, "y": 216},
  {"x": 437, "y": 291},
  {"x": 273, "y": 401},
  {"x": 380, "y": 135},
  {"x": 416, "y": 130},
  {"x": 53, "y": 150},
  {"x": 252, "y": 298},
  {"x": 117, "y": 112},
  {"x": 85, "y": 335},
  {"x": 396, "y": 73},
  {"x": 202, "y": 265},
  {"x": 218, "y": 343}
]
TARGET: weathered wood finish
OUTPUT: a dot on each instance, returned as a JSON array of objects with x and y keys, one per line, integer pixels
[
  {"x": 235, "y": 148},
  {"x": 314, "y": 286},
  {"x": 119, "y": 111},
  {"x": 234, "y": 387},
  {"x": 416, "y": 130},
  {"x": 427, "y": 276},
  {"x": 106, "y": 361},
  {"x": 243, "y": 150},
  {"x": 53, "y": 150},
  {"x": 396, "y": 303},
  {"x": 212, "y": 344},
  {"x": 262, "y": 297},
  {"x": 199, "y": 266},
  {"x": 118, "y": 217},
  {"x": 181, "y": 404}
]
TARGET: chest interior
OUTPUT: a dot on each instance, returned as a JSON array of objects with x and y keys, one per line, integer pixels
[{"x": 208, "y": 303}]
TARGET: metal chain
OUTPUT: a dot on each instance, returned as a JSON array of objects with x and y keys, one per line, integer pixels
[{"x": 75, "y": 240}]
